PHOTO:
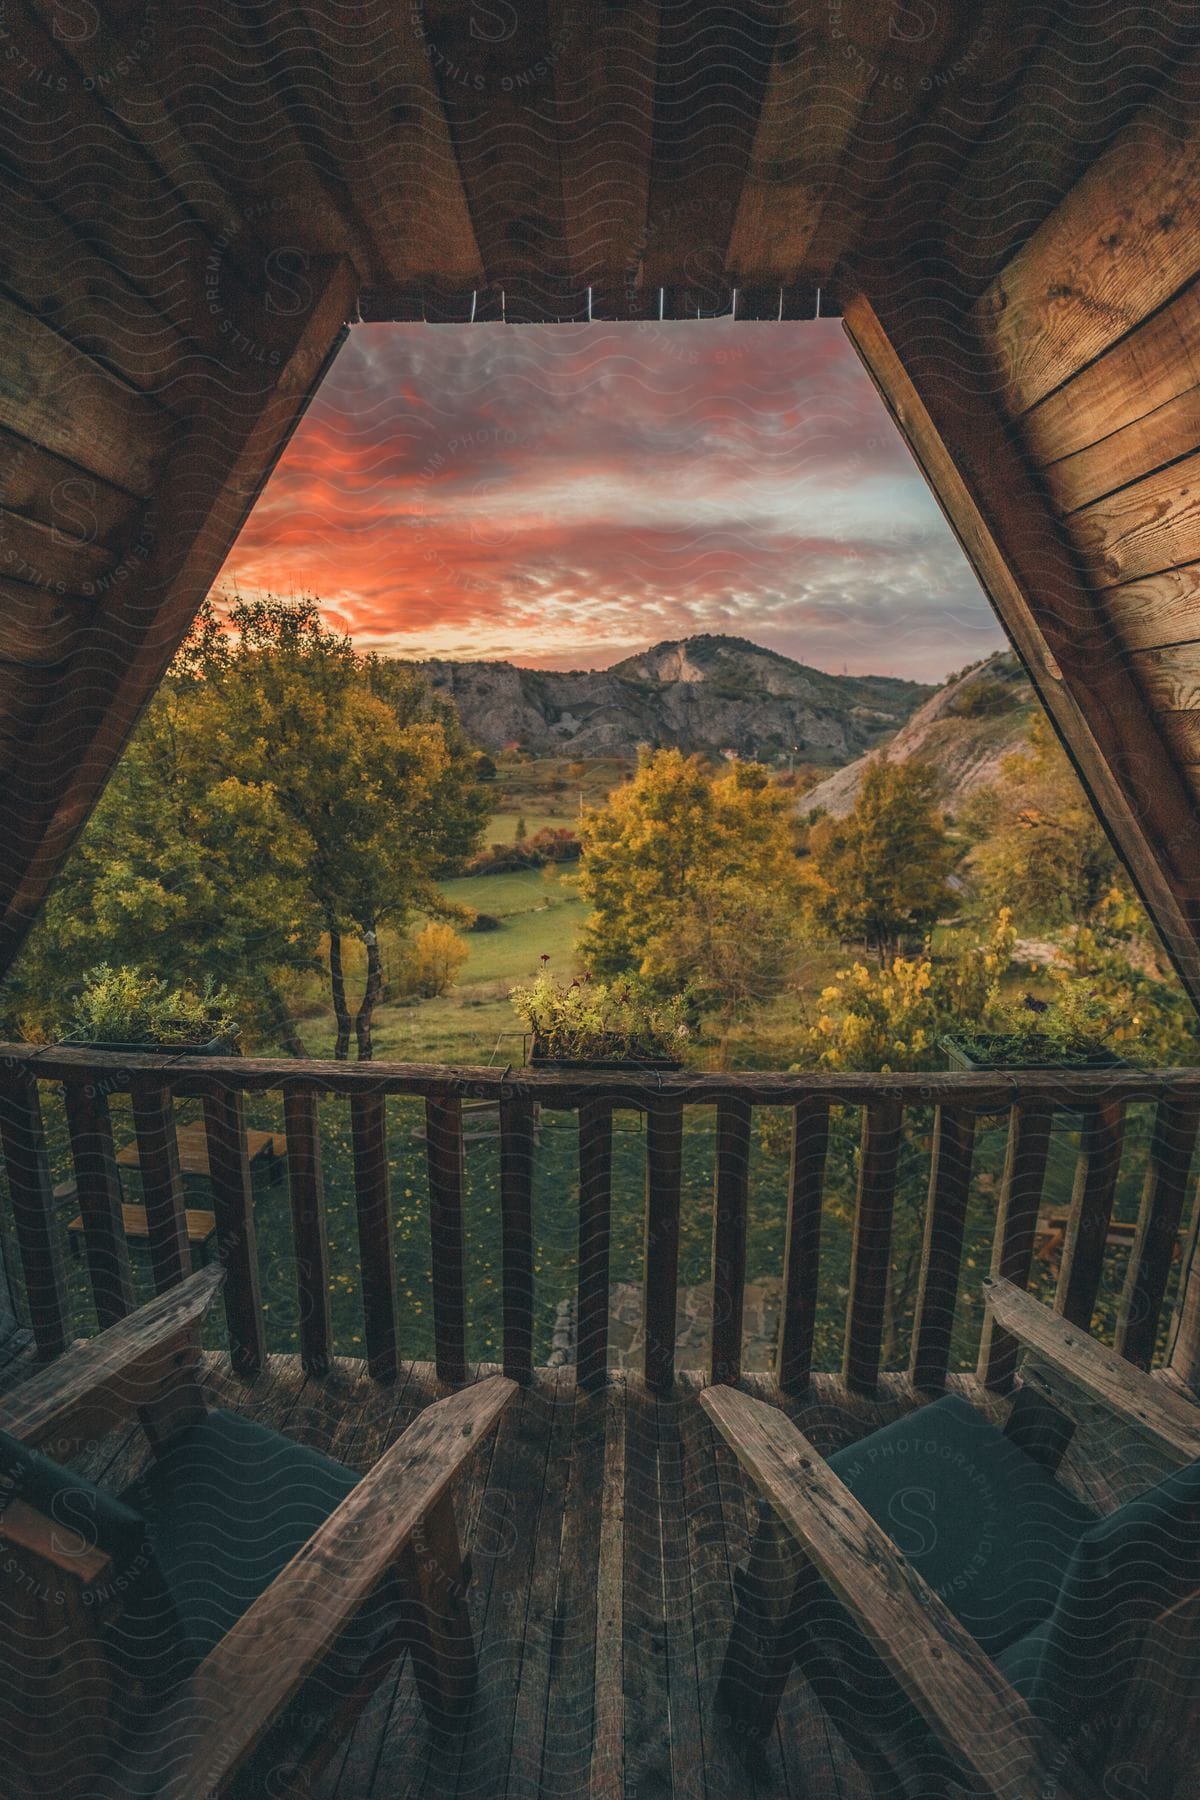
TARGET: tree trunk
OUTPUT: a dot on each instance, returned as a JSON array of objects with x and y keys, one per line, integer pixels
[
  {"x": 280, "y": 1020},
  {"x": 337, "y": 982},
  {"x": 371, "y": 996}
]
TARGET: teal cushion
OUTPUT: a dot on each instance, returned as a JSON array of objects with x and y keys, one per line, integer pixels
[
  {"x": 100, "y": 1520},
  {"x": 987, "y": 1527},
  {"x": 1125, "y": 1570},
  {"x": 227, "y": 1505}
]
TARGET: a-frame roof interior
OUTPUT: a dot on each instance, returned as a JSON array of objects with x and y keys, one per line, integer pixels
[{"x": 1001, "y": 199}]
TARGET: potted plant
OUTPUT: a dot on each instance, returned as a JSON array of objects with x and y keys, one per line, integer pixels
[
  {"x": 1030, "y": 1033},
  {"x": 123, "y": 1010},
  {"x": 586, "y": 1024}
]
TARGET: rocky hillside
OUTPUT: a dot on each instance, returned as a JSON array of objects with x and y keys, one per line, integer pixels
[
  {"x": 700, "y": 693},
  {"x": 964, "y": 731}
]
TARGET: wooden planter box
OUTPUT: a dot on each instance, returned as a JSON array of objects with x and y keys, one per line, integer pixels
[
  {"x": 612, "y": 1065},
  {"x": 958, "y": 1056}
]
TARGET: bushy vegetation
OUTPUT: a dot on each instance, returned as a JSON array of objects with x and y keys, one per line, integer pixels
[
  {"x": 131, "y": 1006},
  {"x": 582, "y": 1020}
]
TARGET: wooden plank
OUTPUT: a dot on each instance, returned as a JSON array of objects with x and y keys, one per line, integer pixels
[
  {"x": 516, "y": 1228},
  {"x": 973, "y": 1713},
  {"x": 162, "y": 1186},
  {"x": 1163, "y": 609},
  {"x": 50, "y": 558},
  {"x": 660, "y": 1261},
  {"x": 244, "y": 1684},
  {"x": 1157, "y": 1238},
  {"x": 571, "y": 1696},
  {"x": 879, "y": 1153},
  {"x": 688, "y": 1702},
  {"x": 606, "y": 1774},
  {"x": 730, "y": 1202},
  {"x": 37, "y": 1230},
  {"x": 1133, "y": 383},
  {"x": 1015, "y": 546},
  {"x": 39, "y": 630},
  {"x": 306, "y": 1190},
  {"x": 941, "y": 1255},
  {"x": 1082, "y": 1266},
  {"x": 1181, "y": 732},
  {"x": 595, "y": 1225},
  {"x": 1083, "y": 280},
  {"x": 645, "y": 1747},
  {"x": 442, "y": 1645},
  {"x": 802, "y": 1246},
  {"x": 604, "y": 74},
  {"x": 237, "y": 1244},
  {"x": 206, "y": 492},
  {"x": 1141, "y": 1401},
  {"x": 106, "y": 1378},
  {"x": 49, "y": 268},
  {"x": 98, "y": 1187},
  {"x": 1153, "y": 524},
  {"x": 1164, "y": 436},
  {"x": 444, "y": 1156},
  {"x": 398, "y": 161},
  {"x": 373, "y": 1210},
  {"x": 1029, "y": 1127},
  {"x": 60, "y": 399},
  {"x": 58, "y": 493},
  {"x": 1170, "y": 676}
]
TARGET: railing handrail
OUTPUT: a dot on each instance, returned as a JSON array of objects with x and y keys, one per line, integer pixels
[
  {"x": 982, "y": 1089},
  {"x": 1096, "y": 1099}
]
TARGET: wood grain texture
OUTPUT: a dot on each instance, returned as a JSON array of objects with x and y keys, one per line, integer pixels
[
  {"x": 941, "y": 1253},
  {"x": 978, "y": 1719},
  {"x": 444, "y": 1161},
  {"x": 660, "y": 1260},
  {"x": 162, "y": 1186},
  {"x": 1145, "y": 1404},
  {"x": 306, "y": 1192},
  {"x": 237, "y": 1242},
  {"x": 39, "y": 629},
  {"x": 373, "y": 1212},
  {"x": 802, "y": 1246},
  {"x": 1170, "y": 676},
  {"x": 1156, "y": 1241},
  {"x": 1153, "y": 524},
  {"x": 1162, "y": 609},
  {"x": 1118, "y": 246},
  {"x": 1096, "y": 1173},
  {"x": 878, "y": 1156},
  {"x": 1170, "y": 432},
  {"x": 595, "y": 1238},
  {"x": 1026, "y": 1151},
  {"x": 516, "y": 1239},
  {"x": 730, "y": 1203},
  {"x": 98, "y": 1187}
]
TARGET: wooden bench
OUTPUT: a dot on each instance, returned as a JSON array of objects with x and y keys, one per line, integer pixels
[
  {"x": 201, "y": 1225},
  {"x": 268, "y": 1148}
]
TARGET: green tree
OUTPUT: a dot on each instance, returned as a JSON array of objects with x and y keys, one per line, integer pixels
[
  {"x": 884, "y": 869},
  {"x": 369, "y": 769},
  {"x": 693, "y": 879},
  {"x": 1039, "y": 846}
]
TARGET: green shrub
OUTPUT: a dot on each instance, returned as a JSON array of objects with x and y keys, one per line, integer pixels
[{"x": 130, "y": 1006}]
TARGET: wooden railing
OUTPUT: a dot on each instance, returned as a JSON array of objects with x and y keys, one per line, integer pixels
[{"x": 1029, "y": 1100}]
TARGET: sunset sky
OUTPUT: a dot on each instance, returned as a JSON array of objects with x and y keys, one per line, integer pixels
[{"x": 566, "y": 495}]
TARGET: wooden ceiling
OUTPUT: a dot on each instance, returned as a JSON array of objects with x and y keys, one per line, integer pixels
[{"x": 1002, "y": 198}]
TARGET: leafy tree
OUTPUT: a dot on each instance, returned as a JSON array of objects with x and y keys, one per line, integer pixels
[
  {"x": 369, "y": 769},
  {"x": 1040, "y": 848},
  {"x": 883, "y": 870},
  {"x": 438, "y": 953},
  {"x": 694, "y": 883}
]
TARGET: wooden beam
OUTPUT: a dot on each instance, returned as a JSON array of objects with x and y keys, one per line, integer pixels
[
  {"x": 38, "y": 628},
  {"x": 200, "y": 504},
  {"x": 1121, "y": 242},
  {"x": 935, "y": 378}
]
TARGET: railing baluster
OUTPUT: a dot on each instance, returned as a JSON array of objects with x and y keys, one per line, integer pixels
[
  {"x": 870, "y": 1258},
  {"x": 444, "y": 1153},
  {"x": 98, "y": 1186},
  {"x": 237, "y": 1246},
  {"x": 802, "y": 1245},
  {"x": 38, "y": 1232},
  {"x": 516, "y": 1247},
  {"x": 729, "y": 1236},
  {"x": 307, "y": 1192},
  {"x": 1175, "y": 1128},
  {"x": 664, "y": 1179},
  {"x": 373, "y": 1205},
  {"x": 1030, "y": 1123},
  {"x": 1091, "y": 1210},
  {"x": 162, "y": 1186},
  {"x": 595, "y": 1208},
  {"x": 941, "y": 1255}
]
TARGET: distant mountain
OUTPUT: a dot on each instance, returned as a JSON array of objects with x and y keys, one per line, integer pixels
[
  {"x": 963, "y": 731},
  {"x": 699, "y": 693}
]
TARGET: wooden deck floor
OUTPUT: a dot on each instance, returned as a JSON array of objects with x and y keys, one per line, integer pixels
[{"x": 603, "y": 1531}]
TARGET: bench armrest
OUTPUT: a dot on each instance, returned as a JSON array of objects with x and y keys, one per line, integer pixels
[
  {"x": 969, "y": 1707},
  {"x": 98, "y": 1383},
  {"x": 246, "y": 1682},
  {"x": 1145, "y": 1404}
]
